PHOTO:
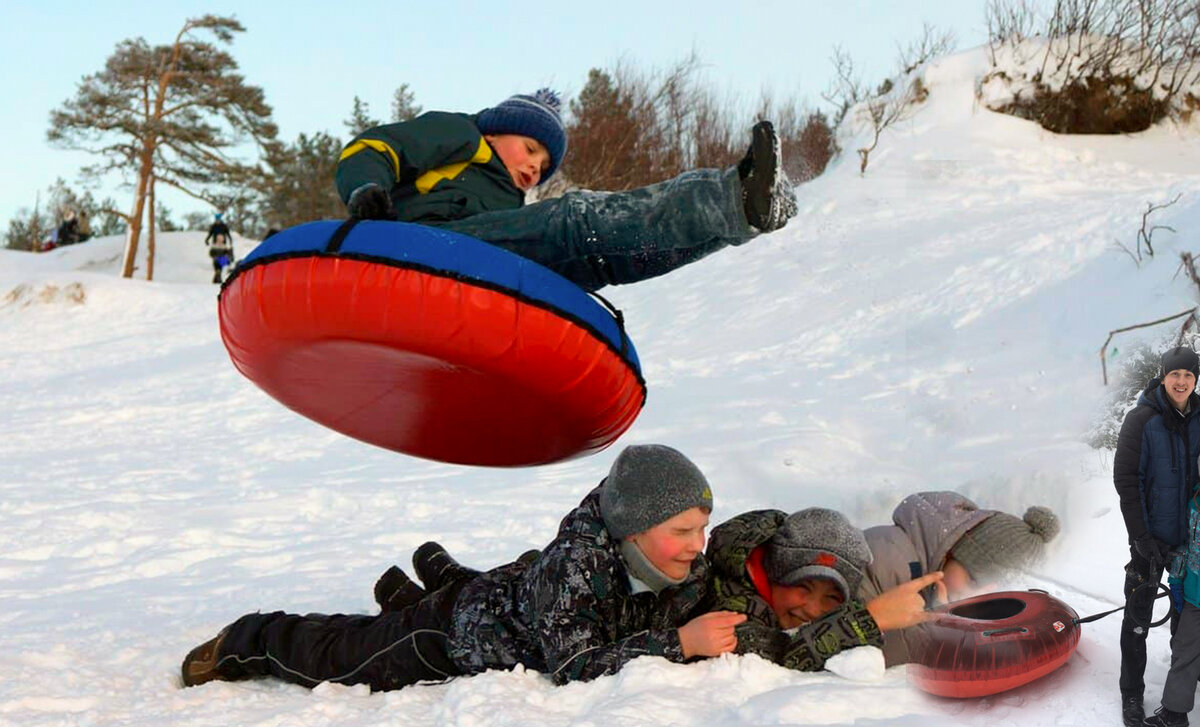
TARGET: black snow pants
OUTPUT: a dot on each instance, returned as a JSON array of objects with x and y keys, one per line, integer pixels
[
  {"x": 1138, "y": 614},
  {"x": 388, "y": 651}
]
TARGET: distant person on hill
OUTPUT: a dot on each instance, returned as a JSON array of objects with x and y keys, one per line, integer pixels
[
  {"x": 220, "y": 244},
  {"x": 948, "y": 533},
  {"x": 68, "y": 230},
  {"x": 470, "y": 172},
  {"x": 1155, "y": 472}
]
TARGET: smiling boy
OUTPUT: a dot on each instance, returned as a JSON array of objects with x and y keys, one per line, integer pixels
[
  {"x": 795, "y": 577},
  {"x": 469, "y": 173}
]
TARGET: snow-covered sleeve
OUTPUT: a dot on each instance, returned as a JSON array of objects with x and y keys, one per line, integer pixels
[
  {"x": 808, "y": 647},
  {"x": 576, "y": 622}
]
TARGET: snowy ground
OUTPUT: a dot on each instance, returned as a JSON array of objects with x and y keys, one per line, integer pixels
[{"x": 934, "y": 324}]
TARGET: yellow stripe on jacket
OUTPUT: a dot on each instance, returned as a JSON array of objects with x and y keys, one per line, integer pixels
[
  {"x": 429, "y": 179},
  {"x": 378, "y": 146}
]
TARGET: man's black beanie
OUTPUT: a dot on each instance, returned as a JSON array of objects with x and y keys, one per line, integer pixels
[{"x": 1181, "y": 357}]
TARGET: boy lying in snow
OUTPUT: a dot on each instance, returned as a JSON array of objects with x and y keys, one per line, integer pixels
[
  {"x": 946, "y": 532},
  {"x": 469, "y": 173},
  {"x": 624, "y": 577}
]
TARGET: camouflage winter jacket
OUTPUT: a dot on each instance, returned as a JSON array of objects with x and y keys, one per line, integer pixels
[
  {"x": 805, "y": 648},
  {"x": 571, "y": 614},
  {"x": 437, "y": 168}
]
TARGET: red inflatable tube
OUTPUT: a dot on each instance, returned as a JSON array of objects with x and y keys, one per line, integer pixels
[
  {"x": 993, "y": 643},
  {"x": 426, "y": 364}
]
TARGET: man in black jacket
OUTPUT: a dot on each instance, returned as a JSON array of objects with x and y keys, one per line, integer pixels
[{"x": 1154, "y": 471}]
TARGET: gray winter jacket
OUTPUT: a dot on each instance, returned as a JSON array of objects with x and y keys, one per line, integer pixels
[{"x": 927, "y": 526}]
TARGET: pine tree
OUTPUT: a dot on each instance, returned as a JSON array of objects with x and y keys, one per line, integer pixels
[
  {"x": 167, "y": 114},
  {"x": 360, "y": 118},
  {"x": 404, "y": 105},
  {"x": 298, "y": 186}
]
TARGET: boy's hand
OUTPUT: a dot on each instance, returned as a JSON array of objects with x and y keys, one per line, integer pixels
[
  {"x": 370, "y": 202},
  {"x": 710, "y": 634},
  {"x": 903, "y": 606}
]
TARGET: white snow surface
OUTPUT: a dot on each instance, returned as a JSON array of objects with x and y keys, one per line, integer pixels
[{"x": 933, "y": 324}]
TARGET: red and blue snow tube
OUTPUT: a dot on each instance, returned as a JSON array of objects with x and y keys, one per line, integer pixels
[
  {"x": 993, "y": 643},
  {"x": 430, "y": 343}
]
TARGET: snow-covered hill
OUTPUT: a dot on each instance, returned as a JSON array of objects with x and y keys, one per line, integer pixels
[{"x": 932, "y": 324}]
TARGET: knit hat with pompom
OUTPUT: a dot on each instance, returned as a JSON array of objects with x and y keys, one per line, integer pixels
[
  {"x": 1004, "y": 543},
  {"x": 536, "y": 115}
]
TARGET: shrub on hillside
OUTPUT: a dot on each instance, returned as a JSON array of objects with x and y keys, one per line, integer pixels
[{"x": 1093, "y": 67}]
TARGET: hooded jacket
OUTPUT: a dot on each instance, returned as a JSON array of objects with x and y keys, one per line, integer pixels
[
  {"x": 1154, "y": 468},
  {"x": 572, "y": 613},
  {"x": 927, "y": 526},
  {"x": 730, "y": 548},
  {"x": 437, "y": 168}
]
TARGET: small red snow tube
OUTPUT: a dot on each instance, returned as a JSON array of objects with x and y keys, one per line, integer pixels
[
  {"x": 430, "y": 343},
  {"x": 993, "y": 643}
]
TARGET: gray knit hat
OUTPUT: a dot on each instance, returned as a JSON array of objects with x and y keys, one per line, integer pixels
[
  {"x": 649, "y": 484},
  {"x": 1005, "y": 542},
  {"x": 817, "y": 543}
]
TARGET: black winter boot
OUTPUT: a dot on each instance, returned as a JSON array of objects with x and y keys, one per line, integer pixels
[
  {"x": 1164, "y": 717},
  {"x": 434, "y": 566},
  {"x": 395, "y": 591},
  {"x": 767, "y": 194},
  {"x": 200, "y": 665},
  {"x": 1132, "y": 711}
]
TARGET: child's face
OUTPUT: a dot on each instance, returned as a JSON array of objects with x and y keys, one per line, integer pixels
[
  {"x": 672, "y": 545},
  {"x": 805, "y": 602},
  {"x": 525, "y": 158},
  {"x": 959, "y": 583}
]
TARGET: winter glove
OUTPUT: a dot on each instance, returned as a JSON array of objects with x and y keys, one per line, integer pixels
[
  {"x": 1152, "y": 549},
  {"x": 370, "y": 202},
  {"x": 1177, "y": 597}
]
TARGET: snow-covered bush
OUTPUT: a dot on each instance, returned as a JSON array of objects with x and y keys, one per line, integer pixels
[{"x": 1093, "y": 66}]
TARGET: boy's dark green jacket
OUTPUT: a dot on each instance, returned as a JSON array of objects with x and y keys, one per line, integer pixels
[
  {"x": 437, "y": 167},
  {"x": 805, "y": 648}
]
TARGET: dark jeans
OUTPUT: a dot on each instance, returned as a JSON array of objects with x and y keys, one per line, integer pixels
[
  {"x": 1138, "y": 614},
  {"x": 388, "y": 651},
  {"x": 596, "y": 239}
]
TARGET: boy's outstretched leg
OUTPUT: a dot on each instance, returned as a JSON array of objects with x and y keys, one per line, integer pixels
[
  {"x": 388, "y": 651},
  {"x": 596, "y": 239}
]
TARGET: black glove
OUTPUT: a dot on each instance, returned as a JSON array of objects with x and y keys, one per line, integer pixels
[
  {"x": 1151, "y": 548},
  {"x": 370, "y": 202}
]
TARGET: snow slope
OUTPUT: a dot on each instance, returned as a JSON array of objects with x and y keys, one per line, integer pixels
[{"x": 932, "y": 324}]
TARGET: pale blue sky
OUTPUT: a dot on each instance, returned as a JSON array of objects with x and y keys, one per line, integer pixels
[{"x": 312, "y": 58}]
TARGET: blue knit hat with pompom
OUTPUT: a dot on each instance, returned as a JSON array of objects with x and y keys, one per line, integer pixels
[{"x": 534, "y": 115}]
